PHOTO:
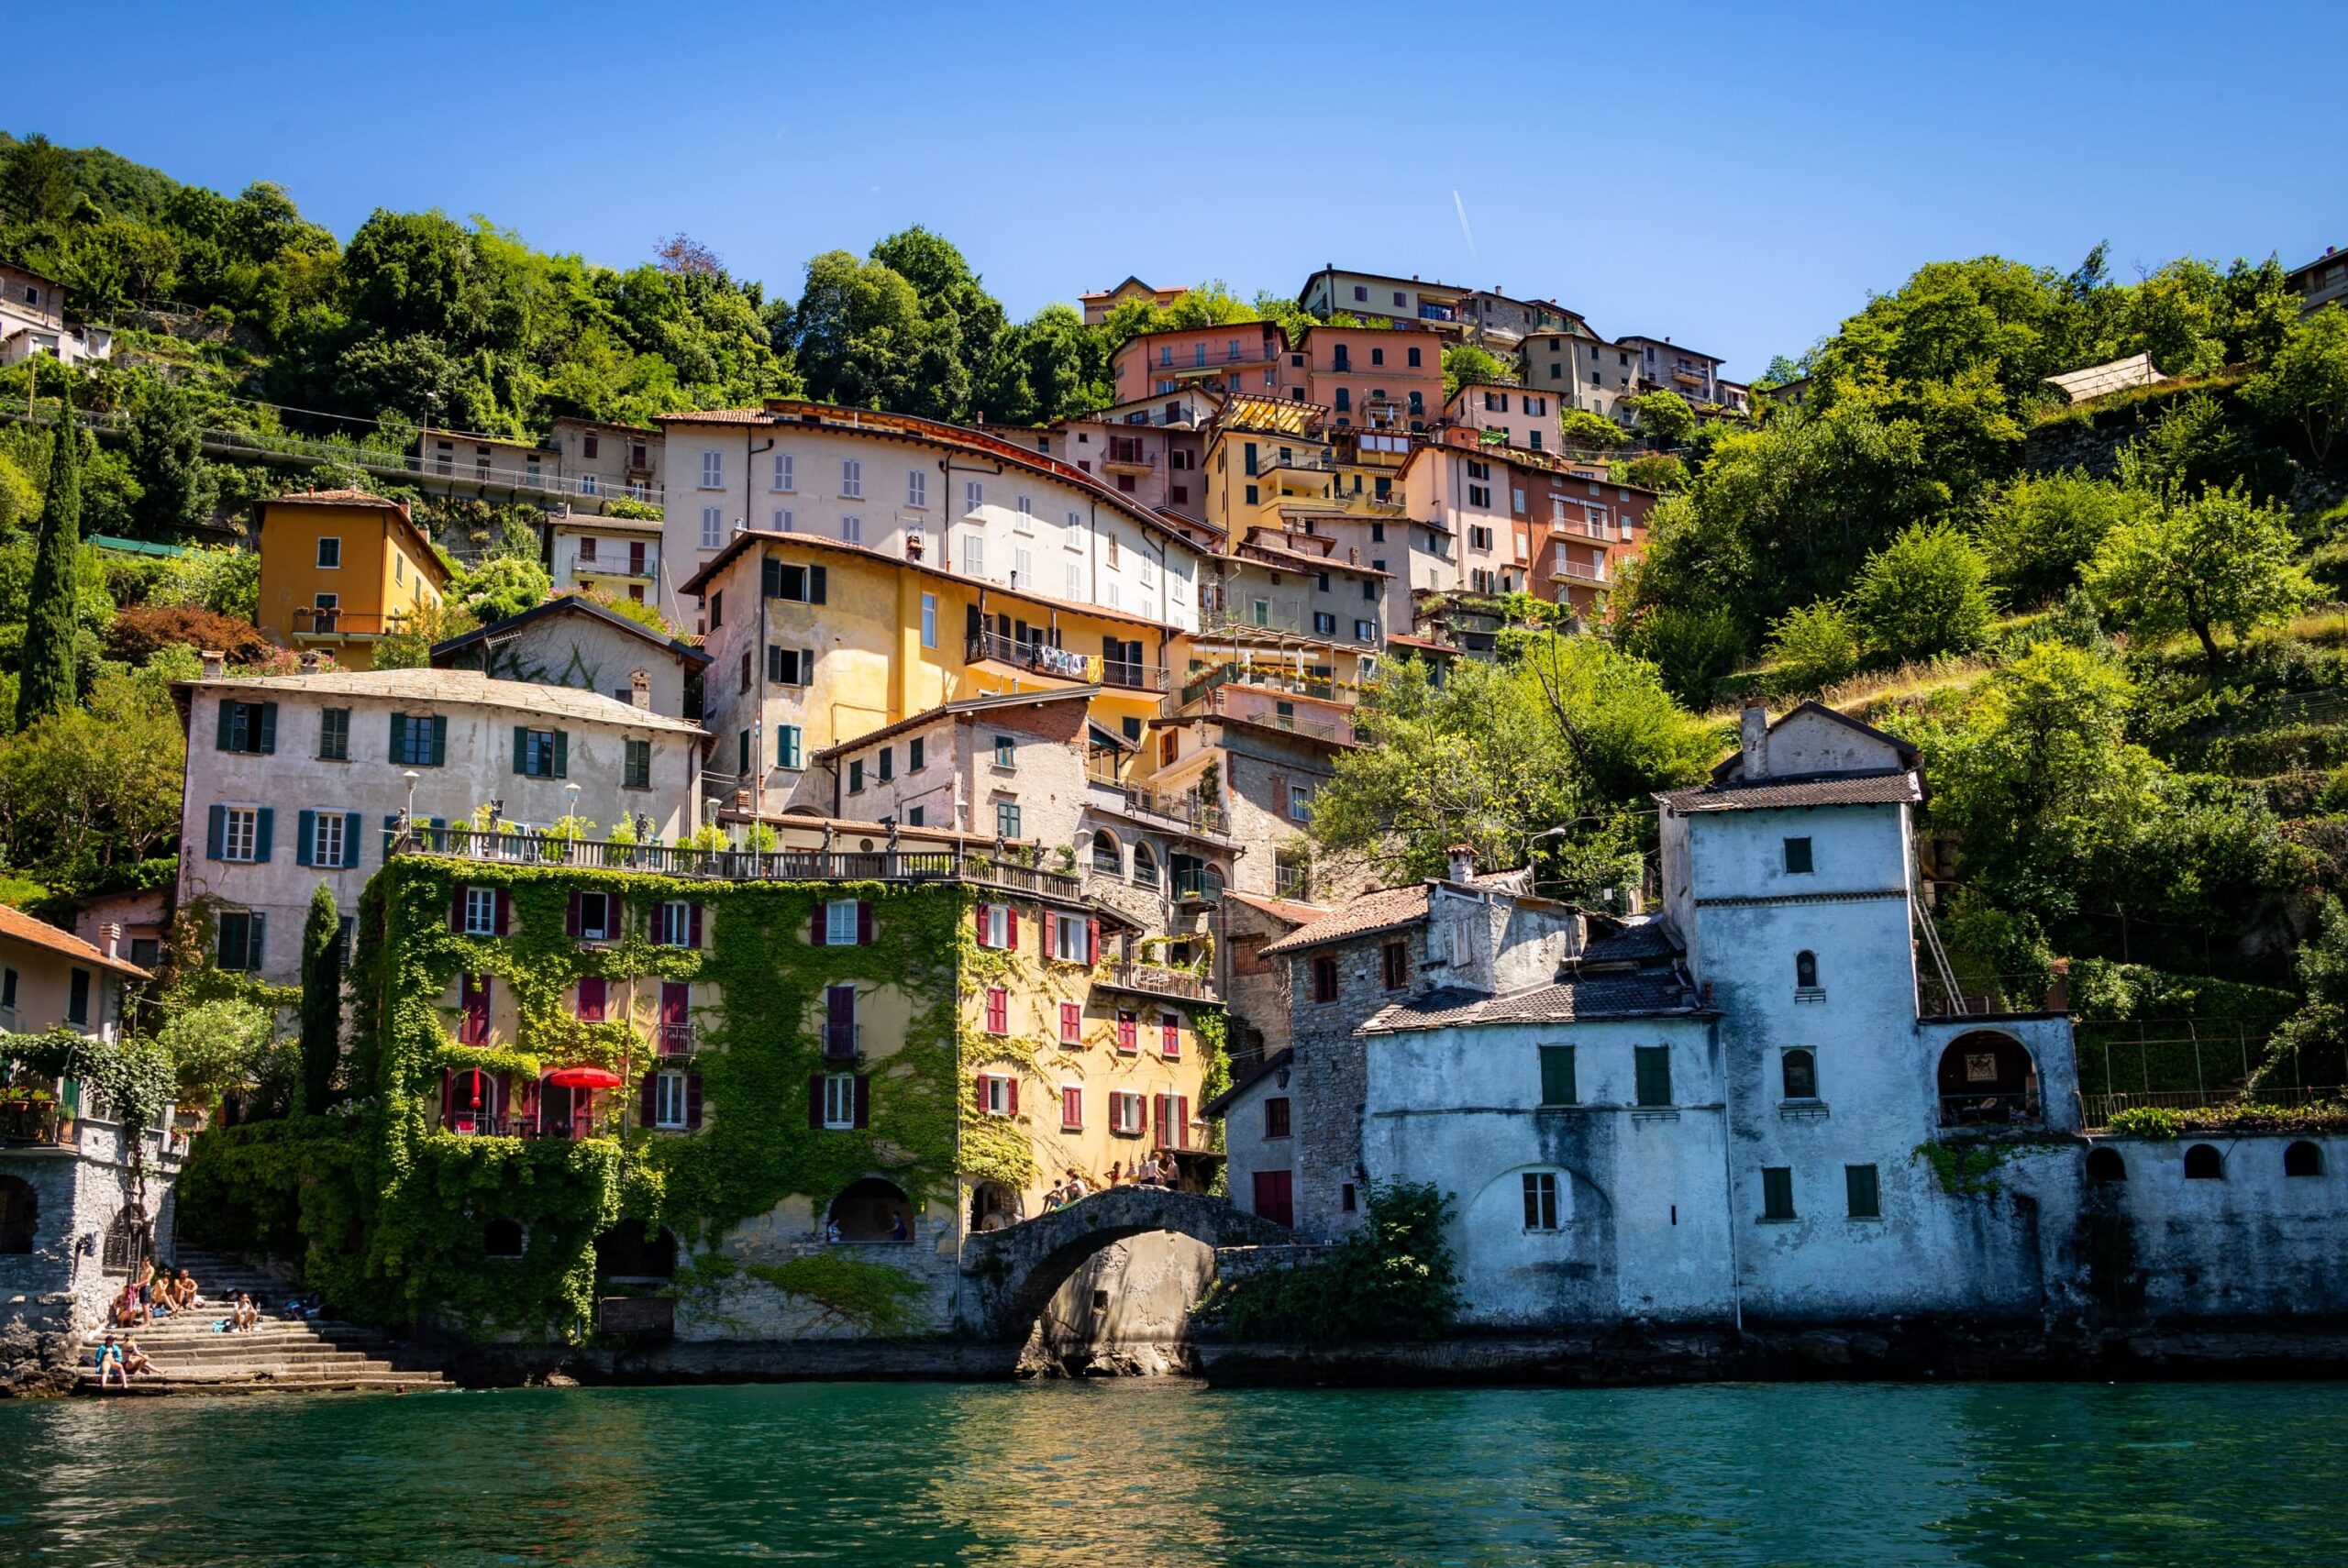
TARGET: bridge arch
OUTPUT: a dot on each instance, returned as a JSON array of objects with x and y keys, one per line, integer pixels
[{"x": 1011, "y": 1274}]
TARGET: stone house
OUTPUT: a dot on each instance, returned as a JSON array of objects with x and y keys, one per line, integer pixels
[{"x": 571, "y": 641}]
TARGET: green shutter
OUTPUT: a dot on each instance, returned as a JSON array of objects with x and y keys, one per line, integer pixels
[
  {"x": 268, "y": 728},
  {"x": 815, "y": 585},
  {"x": 1867, "y": 1199},
  {"x": 1776, "y": 1192},
  {"x": 1557, "y": 1075},
  {"x": 224, "y": 741},
  {"x": 259, "y": 926},
  {"x": 399, "y": 738},
  {"x": 354, "y": 848},
  {"x": 306, "y": 835},
  {"x": 1653, "y": 1074},
  {"x": 521, "y": 748},
  {"x": 264, "y": 826},
  {"x": 562, "y": 753},
  {"x": 439, "y": 740},
  {"x": 215, "y": 831}
]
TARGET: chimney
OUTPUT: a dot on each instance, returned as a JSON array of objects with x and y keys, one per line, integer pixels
[
  {"x": 310, "y": 661},
  {"x": 215, "y": 664},
  {"x": 1463, "y": 861},
  {"x": 111, "y": 934},
  {"x": 639, "y": 688},
  {"x": 1754, "y": 738}
]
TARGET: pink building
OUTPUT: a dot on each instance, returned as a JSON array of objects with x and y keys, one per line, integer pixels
[{"x": 1241, "y": 357}]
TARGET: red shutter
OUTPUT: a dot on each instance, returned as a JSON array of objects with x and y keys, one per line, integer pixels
[
  {"x": 457, "y": 909},
  {"x": 1159, "y": 1107},
  {"x": 651, "y": 1097},
  {"x": 1182, "y": 1120},
  {"x": 863, "y": 922},
  {"x": 502, "y": 1099},
  {"x": 504, "y": 910},
  {"x": 864, "y": 1099},
  {"x": 1092, "y": 941},
  {"x": 449, "y": 1097},
  {"x": 570, "y": 917},
  {"x": 816, "y": 1101},
  {"x": 1169, "y": 1036},
  {"x": 1051, "y": 934},
  {"x": 1140, "y": 1109},
  {"x": 1010, "y": 926},
  {"x": 693, "y": 1102},
  {"x": 979, "y": 1091},
  {"x": 692, "y": 925},
  {"x": 1010, "y": 1093},
  {"x": 816, "y": 925},
  {"x": 981, "y": 915},
  {"x": 592, "y": 994}
]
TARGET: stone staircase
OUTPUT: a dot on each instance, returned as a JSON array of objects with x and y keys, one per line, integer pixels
[{"x": 279, "y": 1356}]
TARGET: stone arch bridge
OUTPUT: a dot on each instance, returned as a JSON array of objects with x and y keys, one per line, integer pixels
[{"x": 1013, "y": 1272}]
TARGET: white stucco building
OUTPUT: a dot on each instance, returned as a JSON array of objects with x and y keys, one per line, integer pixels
[{"x": 294, "y": 780}]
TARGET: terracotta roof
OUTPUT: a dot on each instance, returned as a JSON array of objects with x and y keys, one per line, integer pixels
[
  {"x": 364, "y": 501},
  {"x": 1563, "y": 1001},
  {"x": 989, "y": 704},
  {"x": 1288, "y": 910},
  {"x": 468, "y": 685},
  {"x": 1893, "y": 788},
  {"x": 1427, "y": 642},
  {"x": 1277, "y": 555},
  {"x": 1388, "y": 909},
  {"x": 17, "y": 924},
  {"x": 338, "y": 498}
]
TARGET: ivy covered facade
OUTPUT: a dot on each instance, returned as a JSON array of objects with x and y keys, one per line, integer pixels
[{"x": 774, "y": 1092}]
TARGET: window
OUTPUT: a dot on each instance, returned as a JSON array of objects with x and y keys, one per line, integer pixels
[
  {"x": 974, "y": 496},
  {"x": 1866, "y": 1197},
  {"x": 1324, "y": 980},
  {"x": 1361, "y": 292},
  {"x": 668, "y": 1099},
  {"x": 851, "y": 530},
  {"x": 856, "y": 776},
  {"x": 329, "y": 554},
  {"x": 998, "y": 927},
  {"x": 1364, "y": 631},
  {"x": 1805, "y": 971},
  {"x": 594, "y": 995},
  {"x": 635, "y": 768},
  {"x": 481, "y": 911},
  {"x": 241, "y": 935},
  {"x": 1006, "y": 751},
  {"x": 1796, "y": 856},
  {"x": 713, "y": 470},
  {"x": 1801, "y": 1073},
  {"x": 844, "y": 922},
  {"x": 1126, "y": 1115},
  {"x": 238, "y": 832},
  {"x": 786, "y": 472},
  {"x": 929, "y": 620},
  {"x": 1300, "y": 803},
  {"x": 1324, "y": 623},
  {"x": 787, "y": 742},
  {"x": 1776, "y": 1192},
  {"x": 541, "y": 753},
  {"x": 1378, "y": 356},
  {"x": 712, "y": 528},
  {"x": 2302, "y": 1158},
  {"x": 974, "y": 555},
  {"x": 795, "y": 583},
  {"x": 840, "y": 1101},
  {"x": 888, "y": 763},
  {"x": 1169, "y": 1036},
  {"x": 2105, "y": 1165},
  {"x": 1071, "y": 1021},
  {"x": 716, "y": 611},
  {"x": 77, "y": 998},
  {"x": 852, "y": 478},
  {"x": 1071, "y": 1108},
  {"x": 333, "y": 735},
  {"x": 1413, "y": 354},
  {"x": 1557, "y": 1086},
  {"x": 1071, "y": 939},
  {"x": 1394, "y": 966},
  {"x": 1653, "y": 1074},
  {"x": 247, "y": 727},
  {"x": 596, "y": 916},
  {"x": 1540, "y": 1201},
  {"x": 332, "y": 841},
  {"x": 998, "y": 1009},
  {"x": 1006, "y": 818},
  {"x": 2203, "y": 1163},
  {"x": 420, "y": 740},
  {"x": 680, "y": 924}
]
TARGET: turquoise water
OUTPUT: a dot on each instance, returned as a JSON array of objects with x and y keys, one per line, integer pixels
[{"x": 1162, "y": 1472}]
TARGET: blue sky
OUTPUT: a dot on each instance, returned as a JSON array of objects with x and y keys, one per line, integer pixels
[{"x": 1738, "y": 178}]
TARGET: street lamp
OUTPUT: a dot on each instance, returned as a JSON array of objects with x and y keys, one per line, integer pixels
[
  {"x": 411, "y": 775},
  {"x": 570, "y": 801}
]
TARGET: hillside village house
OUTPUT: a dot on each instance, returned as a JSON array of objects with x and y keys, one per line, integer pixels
[
  {"x": 1368, "y": 378},
  {"x": 571, "y": 641},
  {"x": 598, "y": 459},
  {"x": 1097, "y": 303},
  {"x": 966, "y": 501},
  {"x": 1150, "y": 450},
  {"x": 1586, "y": 527},
  {"x": 1242, "y": 357},
  {"x": 814, "y": 642},
  {"x": 2321, "y": 281},
  {"x": 76, "y": 1217},
  {"x": 1403, "y": 301},
  {"x": 294, "y": 780},
  {"x": 1665, "y": 365},
  {"x": 1501, "y": 323},
  {"x": 1583, "y": 371},
  {"x": 32, "y": 320},
  {"x": 1473, "y": 495},
  {"x": 1500, "y": 411},
  {"x": 340, "y": 570},
  {"x": 621, "y": 555}
]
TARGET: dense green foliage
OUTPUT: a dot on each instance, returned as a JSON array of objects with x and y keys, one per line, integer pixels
[
  {"x": 48, "y": 679},
  {"x": 1391, "y": 1277},
  {"x": 321, "y": 1000}
]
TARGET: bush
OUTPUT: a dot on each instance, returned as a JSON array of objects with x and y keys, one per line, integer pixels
[
  {"x": 1814, "y": 647},
  {"x": 1693, "y": 649},
  {"x": 1579, "y": 427},
  {"x": 143, "y": 630},
  {"x": 1389, "y": 1277},
  {"x": 1925, "y": 594},
  {"x": 2147, "y": 1122}
]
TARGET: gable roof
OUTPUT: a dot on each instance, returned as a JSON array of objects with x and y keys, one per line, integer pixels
[
  {"x": 17, "y": 924},
  {"x": 1651, "y": 995},
  {"x": 992, "y": 703},
  {"x": 570, "y": 604},
  {"x": 1893, "y": 788},
  {"x": 467, "y": 686},
  {"x": 1390, "y": 910},
  {"x": 367, "y": 500},
  {"x": 1288, "y": 910},
  {"x": 1732, "y": 764}
]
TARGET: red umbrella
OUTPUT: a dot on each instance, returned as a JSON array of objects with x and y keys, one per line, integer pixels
[{"x": 585, "y": 1077}]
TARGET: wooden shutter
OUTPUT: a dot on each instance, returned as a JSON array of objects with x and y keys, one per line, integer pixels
[
  {"x": 304, "y": 834},
  {"x": 979, "y": 1091},
  {"x": 1165, "y": 1119},
  {"x": 1092, "y": 941},
  {"x": 268, "y": 738},
  {"x": 1009, "y": 924},
  {"x": 771, "y": 579},
  {"x": 692, "y": 925},
  {"x": 351, "y": 843},
  {"x": 816, "y": 925},
  {"x": 399, "y": 733},
  {"x": 692, "y": 1102},
  {"x": 457, "y": 909},
  {"x": 594, "y": 996},
  {"x": 572, "y": 919},
  {"x": 979, "y": 914},
  {"x": 562, "y": 753},
  {"x": 1051, "y": 934},
  {"x": 259, "y": 930},
  {"x": 1011, "y": 1095},
  {"x": 521, "y": 748},
  {"x": 864, "y": 1099},
  {"x": 814, "y": 585},
  {"x": 863, "y": 922},
  {"x": 1182, "y": 1121},
  {"x": 815, "y": 1100},
  {"x": 227, "y": 720},
  {"x": 264, "y": 830},
  {"x": 504, "y": 910},
  {"x": 651, "y": 1093},
  {"x": 439, "y": 739},
  {"x": 216, "y": 833}
]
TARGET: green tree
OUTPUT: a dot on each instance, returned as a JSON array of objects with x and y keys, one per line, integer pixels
[
  {"x": 321, "y": 1000},
  {"x": 1924, "y": 594},
  {"x": 1664, "y": 417},
  {"x": 2038, "y": 532},
  {"x": 214, "y": 1045},
  {"x": 1693, "y": 646},
  {"x": 46, "y": 677},
  {"x": 501, "y": 587},
  {"x": 857, "y": 332},
  {"x": 2315, "y": 1038},
  {"x": 1465, "y": 364},
  {"x": 2221, "y": 562},
  {"x": 1578, "y": 427},
  {"x": 1659, "y": 471},
  {"x": 1049, "y": 367},
  {"x": 37, "y": 186},
  {"x": 1814, "y": 647},
  {"x": 89, "y": 797},
  {"x": 2306, "y": 385},
  {"x": 167, "y": 459}
]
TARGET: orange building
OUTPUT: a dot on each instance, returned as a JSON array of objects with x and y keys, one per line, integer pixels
[
  {"x": 1368, "y": 378},
  {"x": 340, "y": 570},
  {"x": 1239, "y": 357}
]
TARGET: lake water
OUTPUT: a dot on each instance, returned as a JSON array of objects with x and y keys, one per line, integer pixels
[{"x": 1170, "y": 1473}]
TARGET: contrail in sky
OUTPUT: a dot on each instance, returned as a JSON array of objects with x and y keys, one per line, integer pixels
[{"x": 1463, "y": 224}]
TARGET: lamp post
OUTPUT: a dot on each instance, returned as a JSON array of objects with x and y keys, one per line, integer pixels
[
  {"x": 411, "y": 775},
  {"x": 570, "y": 821}
]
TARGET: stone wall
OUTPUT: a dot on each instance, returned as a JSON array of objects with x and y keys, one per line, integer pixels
[
  {"x": 61, "y": 1287},
  {"x": 1330, "y": 1082},
  {"x": 1126, "y": 1312}
]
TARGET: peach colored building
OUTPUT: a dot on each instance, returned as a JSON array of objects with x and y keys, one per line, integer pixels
[
  {"x": 1479, "y": 499},
  {"x": 1238, "y": 357},
  {"x": 1585, "y": 527},
  {"x": 1150, "y": 451},
  {"x": 1368, "y": 378},
  {"x": 1511, "y": 415}
]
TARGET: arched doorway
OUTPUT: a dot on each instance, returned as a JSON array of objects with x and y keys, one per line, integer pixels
[
  {"x": 129, "y": 1241},
  {"x": 993, "y": 1206},
  {"x": 628, "y": 1251},
  {"x": 1986, "y": 1079},
  {"x": 19, "y": 1215},
  {"x": 872, "y": 1210}
]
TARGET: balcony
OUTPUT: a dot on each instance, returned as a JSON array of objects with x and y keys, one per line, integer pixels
[
  {"x": 1186, "y": 812},
  {"x": 1038, "y": 659},
  {"x": 1126, "y": 457},
  {"x": 1580, "y": 571},
  {"x": 29, "y": 1123},
  {"x": 678, "y": 1039},
  {"x": 1264, "y": 678},
  {"x": 646, "y": 566},
  {"x": 2006, "y": 1108},
  {"x": 842, "y": 1042},
  {"x": 339, "y": 626},
  {"x": 1152, "y": 979}
]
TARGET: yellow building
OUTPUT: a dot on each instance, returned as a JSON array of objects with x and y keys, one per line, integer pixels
[{"x": 340, "y": 570}]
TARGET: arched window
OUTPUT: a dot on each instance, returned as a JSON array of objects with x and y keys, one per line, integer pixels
[
  {"x": 1145, "y": 867},
  {"x": 2203, "y": 1163},
  {"x": 873, "y": 1210},
  {"x": 1108, "y": 858},
  {"x": 19, "y": 1214},
  {"x": 627, "y": 1251},
  {"x": 1801, "y": 1075},
  {"x": 130, "y": 1239},
  {"x": 1806, "y": 971},
  {"x": 2104, "y": 1163},
  {"x": 2303, "y": 1158},
  {"x": 502, "y": 1239}
]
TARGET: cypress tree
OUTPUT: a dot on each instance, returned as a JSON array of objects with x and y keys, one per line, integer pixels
[
  {"x": 46, "y": 670},
  {"x": 321, "y": 1000},
  {"x": 167, "y": 459}
]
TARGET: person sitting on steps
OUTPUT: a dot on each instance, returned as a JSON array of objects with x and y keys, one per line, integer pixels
[
  {"x": 133, "y": 1360},
  {"x": 244, "y": 1316},
  {"x": 109, "y": 1355}
]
